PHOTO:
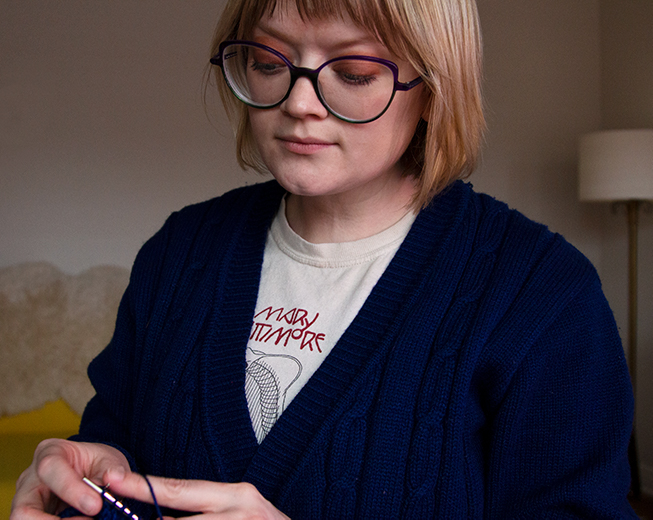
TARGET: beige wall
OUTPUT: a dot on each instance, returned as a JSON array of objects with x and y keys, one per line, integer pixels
[
  {"x": 103, "y": 133},
  {"x": 542, "y": 68},
  {"x": 627, "y": 52},
  {"x": 102, "y": 128}
]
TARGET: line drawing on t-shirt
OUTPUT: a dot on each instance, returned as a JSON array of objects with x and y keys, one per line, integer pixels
[{"x": 268, "y": 379}]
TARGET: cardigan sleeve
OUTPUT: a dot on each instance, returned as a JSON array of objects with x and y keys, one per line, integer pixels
[
  {"x": 115, "y": 372},
  {"x": 127, "y": 374},
  {"x": 108, "y": 416},
  {"x": 559, "y": 437}
]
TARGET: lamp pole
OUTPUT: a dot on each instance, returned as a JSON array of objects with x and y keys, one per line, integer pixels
[{"x": 633, "y": 215}]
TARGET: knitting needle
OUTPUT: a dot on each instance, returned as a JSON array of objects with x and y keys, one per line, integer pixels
[{"x": 112, "y": 500}]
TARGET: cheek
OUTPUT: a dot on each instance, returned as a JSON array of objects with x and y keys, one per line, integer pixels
[
  {"x": 371, "y": 152},
  {"x": 393, "y": 132},
  {"x": 260, "y": 128},
  {"x": 255, "y": 121}
]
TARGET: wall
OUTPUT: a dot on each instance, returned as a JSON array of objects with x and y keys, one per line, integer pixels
[
  {"x": 627, "y": 75},
  {"x": 542, "y": 68},
  {"x": 102, "y": 128},
  {"x": 103, "y": 132}
]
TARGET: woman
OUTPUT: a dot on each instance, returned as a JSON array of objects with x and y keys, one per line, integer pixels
[{"x": 364, "y": 336}]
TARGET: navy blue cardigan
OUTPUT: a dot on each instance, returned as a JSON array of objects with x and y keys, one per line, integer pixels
[{"x": 482, "y": 378}]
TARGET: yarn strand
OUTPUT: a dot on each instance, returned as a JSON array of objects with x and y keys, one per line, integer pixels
[{"x": 156, "y": 504}]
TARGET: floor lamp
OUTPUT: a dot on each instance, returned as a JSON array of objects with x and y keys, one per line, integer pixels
[{"x": 617, "y": 166}]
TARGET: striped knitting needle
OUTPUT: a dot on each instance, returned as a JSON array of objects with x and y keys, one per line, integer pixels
[{"x": 112, "y": 500}]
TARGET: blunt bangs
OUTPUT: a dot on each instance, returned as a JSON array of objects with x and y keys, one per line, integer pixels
[{"x": 372, "y": 15}]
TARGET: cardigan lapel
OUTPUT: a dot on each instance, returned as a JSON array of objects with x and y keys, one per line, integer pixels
[
  {"x": 226, "y": 425},
  {"x": 369, "y": 337}
]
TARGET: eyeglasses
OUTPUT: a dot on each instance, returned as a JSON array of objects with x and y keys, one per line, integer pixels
[{"x": 356, "y": 89}]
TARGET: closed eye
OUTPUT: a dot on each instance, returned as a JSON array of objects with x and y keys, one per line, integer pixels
[
  {"x": 357, "y": 79},
  {"x": 267, "y": 68},
  {"x": 356, "y": 73}
]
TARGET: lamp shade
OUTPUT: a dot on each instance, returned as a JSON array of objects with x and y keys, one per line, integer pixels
[{"x": 616, "y": 165}]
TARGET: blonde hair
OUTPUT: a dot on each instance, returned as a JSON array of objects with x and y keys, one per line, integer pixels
[{"x": 439, "y": 38}]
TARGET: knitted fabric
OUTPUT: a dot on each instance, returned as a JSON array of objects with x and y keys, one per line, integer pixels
[{"x": 482, "y": 378}]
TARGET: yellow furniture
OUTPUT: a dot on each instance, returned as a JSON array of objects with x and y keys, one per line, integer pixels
[{"x": 19, "y": 436}]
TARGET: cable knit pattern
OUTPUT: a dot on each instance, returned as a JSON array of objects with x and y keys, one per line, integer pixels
[
  {"x": 426, "y": 444},
  {"x": 482, "y": 378},
  {"x": 347, "y": 451}
]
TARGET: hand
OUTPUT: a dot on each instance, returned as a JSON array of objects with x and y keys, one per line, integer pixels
[
  {"x": 54, "y": 479},
  {"x": 214, "y": 499}
]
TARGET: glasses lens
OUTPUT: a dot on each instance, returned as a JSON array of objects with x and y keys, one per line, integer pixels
[
  {"x": 356, "y": 89},
  {"x": 258, "y": 77}
]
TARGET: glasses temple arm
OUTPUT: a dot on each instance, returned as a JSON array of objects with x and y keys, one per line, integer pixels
[{"x": 409, "y": 85}]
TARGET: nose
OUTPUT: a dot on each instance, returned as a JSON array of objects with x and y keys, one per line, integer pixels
[{"x": 303, "y": 101}]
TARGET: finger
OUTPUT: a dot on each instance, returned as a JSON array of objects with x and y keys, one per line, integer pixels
[
  {"x": 39, "y": 488},
  {"x": 57, "y": 470},
  {"x": 34, "y": 501},
  {"x": 198, "y": 496}
]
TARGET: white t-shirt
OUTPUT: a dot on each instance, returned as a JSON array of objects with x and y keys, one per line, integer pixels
[{"x": 308, "y": 295}]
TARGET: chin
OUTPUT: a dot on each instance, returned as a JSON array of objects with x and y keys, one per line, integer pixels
[{"x": 305, "y": 185}]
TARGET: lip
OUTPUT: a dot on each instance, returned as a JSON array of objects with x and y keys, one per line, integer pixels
[{"x": 304, "y": 145}]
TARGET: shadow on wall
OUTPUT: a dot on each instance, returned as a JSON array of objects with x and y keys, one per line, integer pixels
[{"x": 51, "y": 326}]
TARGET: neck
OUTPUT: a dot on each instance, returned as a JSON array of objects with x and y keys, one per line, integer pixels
[{"x": 343, "y": 218}]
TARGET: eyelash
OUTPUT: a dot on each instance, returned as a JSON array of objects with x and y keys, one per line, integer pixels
[
  {"x": 357, "y": 80},
  {"x": 266, "y": 68}
]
